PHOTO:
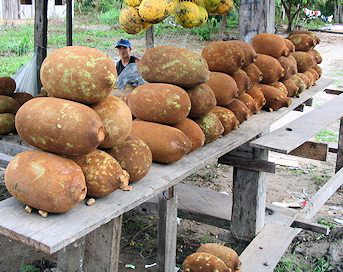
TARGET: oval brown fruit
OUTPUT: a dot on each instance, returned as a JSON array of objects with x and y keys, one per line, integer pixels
[
  {"x": 45, "y": 181},
  {"x": 59, "y": 126},
  {"x": 7, "y": 86},
  {"x": 134, "y": 156},
  {"x": 239, "y": 109},
  {"x": 6, "y": 123},
  {"x": 8, "y": 104},
  {"x": 116, "y": 118},
  {"x": 275, "y": 99},
  {"x": 211, "y": 126},
  {"x": 78, "y": 73},
  {"x": 22, "y": 98},
  {"x": 257, "y": 94},
  {"x": 203, "y": 261},
  {"x": 227, "y": 118},
  {"x": 160, "y": 103},
  {"x": 270, "y": 67},
  {"x": 202, "y": 100},
  {"x": 270, "y": 44}
]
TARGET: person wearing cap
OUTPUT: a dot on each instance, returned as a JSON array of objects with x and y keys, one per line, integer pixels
[{"x": 124, "y": 48}]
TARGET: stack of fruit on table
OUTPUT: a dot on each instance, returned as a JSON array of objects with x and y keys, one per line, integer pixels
[
  {"x": 140, "y": 14},
  {"x": 10, "y": 102},
  {"x": 212, "y": 257},
  {"x": 82, "y": 133}
]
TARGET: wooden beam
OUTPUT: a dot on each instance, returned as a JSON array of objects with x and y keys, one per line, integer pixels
[
  {"x": 292, "y": 135},
  {"x": 311, "y": 150},
  {"x": 249, "y": 164},
  {"x": 256, "y": 17},
  {"x": 167, "y": 231},
  {"x": 70, "y": 258},
  {"x": 69, "y": 22},
  {"x": 330, "y": 91},
  {"x": 306, "y": 224},
  {"x": 339, "y": 160},
  {"x": 332, "y": 147},
  {"x": 40, "y": 36},
  {"x": 300, "y": 108},
  {"x": 149, "y": 37},
  {"x": 103, "y": 247},
  {"x": 309, "y": 102}
]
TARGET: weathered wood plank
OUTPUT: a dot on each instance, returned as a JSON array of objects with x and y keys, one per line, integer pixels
[
  {"x": 149, "y": 37},
  {"x": 70, "y": 258},
  {"x": 303, "y": 223},
  {"x": 267, "y": 248},
  {"x": 40, "y": 36},
  {"x": 103, "y": 247},
  {"x": 69, "y": 22},
  {"x": 300, "y": 108},
  {"x": 256, "y": 17},
  {"x": 57, "y": 231},
  {"x": 167, "y": 231},
  {"x": 308, "y": 102},
  {"x": 249, "y": 164},
  {"x": 311, "y": 150},
  {"x": 292, "y": 135},
  {"x": 330, "y": 91},
  {"x": 339, "y": 159}
]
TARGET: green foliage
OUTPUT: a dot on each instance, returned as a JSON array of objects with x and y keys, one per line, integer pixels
[
  {"x": 18, "y": 41},
  {"x": 10, "y": 65},
  {"x": 204, "y": 32},
  {"x": 89, "y": 6},
  {"x": 28, "y": 268},
  {"x": 290, "y": 263},
  {"x": 327, "y": 136},
  {"x": 327, "y": 222},
  {"x": 110, "y": 17}
]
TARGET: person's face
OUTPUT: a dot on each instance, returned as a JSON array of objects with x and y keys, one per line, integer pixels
[{"x": 123, "y": 51}]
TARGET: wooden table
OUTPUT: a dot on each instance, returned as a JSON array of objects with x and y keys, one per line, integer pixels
[{"x": 95, "y": 230}]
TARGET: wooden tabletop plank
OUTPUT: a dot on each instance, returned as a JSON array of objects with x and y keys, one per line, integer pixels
[{"x": 57, "y": 231}]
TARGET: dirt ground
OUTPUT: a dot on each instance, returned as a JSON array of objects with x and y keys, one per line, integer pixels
[{"x": 288, "y": 184}]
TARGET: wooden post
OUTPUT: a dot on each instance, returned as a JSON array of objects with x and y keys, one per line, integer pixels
[
  {"x": 149, "y": 37},
  {"x": 70, "y": 258},
  {"x": 167, "y": 231},
  {"x": 339, "y": 160},
  {"x": 256, "y": 17},
  {"x": 69, "y": 22},
  {"x": 249, "y": 199},
  {"x": 103, "y": 247},
  {"x": 40, "y": 33}
]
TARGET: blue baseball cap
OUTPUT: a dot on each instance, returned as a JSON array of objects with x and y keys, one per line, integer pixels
[{"x": 125, "y": 43}]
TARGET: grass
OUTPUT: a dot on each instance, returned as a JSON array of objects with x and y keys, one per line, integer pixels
[
  {"x": 11, "y": 64},
  {"x": 290, "y": 263},
  {"x": 327, "y": 136},
  {"x": 28, "y": 268},
  {"x": 327, "y": 222}
]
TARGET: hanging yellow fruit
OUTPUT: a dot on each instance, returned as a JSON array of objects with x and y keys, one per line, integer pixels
[
  {"x": 211, "y": 5},
  {"x": 154, "y": 11},
  {"x": 187, "y": 14},
  {"x": 132, "y": 3},
  {"x": 130, "y": 21},
  {"x": 203, "y": 16},
  {"x": 224, "y": 7}
]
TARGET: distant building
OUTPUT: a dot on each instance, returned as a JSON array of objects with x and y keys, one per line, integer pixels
[{"x": 25, "y": 9}]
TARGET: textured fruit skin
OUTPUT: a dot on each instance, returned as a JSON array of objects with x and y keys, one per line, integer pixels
[
  {"x": 270, "y": 67},
  {"x": 7, "y": 86},
  {"x": 299, "y": 82},
  {"x": 289, "y": 64},
  {"x": 160, "y": 103},
  {"x": 204, "y": 262},
  {"x": 292, "y": 88},
  {"x": 270, "y": 44},
  {"x": 78, "y": 73},
  {"x": 314, "y": 73},
  {"x": 280, "y": 86},
  {"x": 311, "y": 77},
  {"x": 304, "y": 60},
  {"x": 227, "y": 118},
  {"x": 250, "y": 54},
  {"x": 167, "y": 144},
  {"x": 242, "y": 80},
  {"x": 224, "y": 6},
  {"x": 211, "y": 126},
  {"x": 306, "y": 79},
  {"x": 226, "y": 57},
  {"x": 8, "y": 104},
  {"x": 275, "y": 99},
  {"x": 255, "y": 75},
  {"x": 211, "y": 5},
  {"x": 318, "y": 70},
  {"x": 45, "y": 181},
  {"x": 257, "y": 94},
  {"x": 223, "y": 86},
  {"x": 116, "y": 118},
  {"x": 6, "y": 123},
  {"x": 192, "y": 130},
  {"x": 134, "y": 156},
  {"x": 173, "y": 65},
  {"x": 59, "y": 126},
  {"x": 249, "y": 102},
  {"x": 188, "y": 14},
  {"x": 290, "y": 45},
  {"x": 22, "y": 98},
  {"x": 316, "y": 55},
  {"x": 130, "y": 21},
  {"x": 155, "y": 11},
  {"x": 103, "y": 173},
  {"x": 132, "y": 3},
  {"x": 302, "y": 42},
  {"x": 226, "y": 254},
  {"x": 312, "y": 34},
  {"x": 239, "y": 109},
  {"x": 202, "y": 100}
]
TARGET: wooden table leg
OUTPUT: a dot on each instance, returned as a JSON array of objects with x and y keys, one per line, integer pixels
[
  {"x": 70, "y": 258},
  {"x": 249, "y": 199},
  {"x": 167, "y": 231},
  {"x": 103, "y": 247}
]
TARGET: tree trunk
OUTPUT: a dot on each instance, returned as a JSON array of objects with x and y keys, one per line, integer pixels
[{"x": 289, "y": 20}]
